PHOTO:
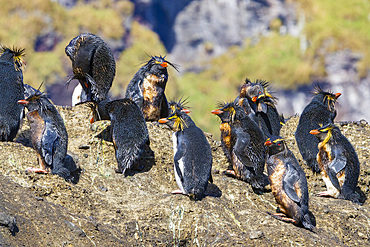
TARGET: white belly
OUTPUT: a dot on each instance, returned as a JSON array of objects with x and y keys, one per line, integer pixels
[{"x": 181, "y": 164}]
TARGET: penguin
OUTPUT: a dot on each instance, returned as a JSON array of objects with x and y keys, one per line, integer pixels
[
  {"x": 48, "y": 135},
  {"x": 320, "y": 111},
  {"x": 129, "y": 134},
  {"x": 270, "y": 121},
  {"x": 147, "y": 88},
  {"x": 338, "y": 162},
  {"x": 288, "y": 184},
  {"x": 192, "y": 155},
  {"x": 243, "y": 144},
  {"x": 179, "y": 104},
  {"x": 93, "y": 65},
  {"x": 262, "y": 103},
  {"x": 11, "y": 89}
]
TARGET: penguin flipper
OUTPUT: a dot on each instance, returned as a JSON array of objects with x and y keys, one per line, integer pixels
[
  {"x": 49, "y": 140},
  {"x": 241, "y": 148},
  {"x": 291, "y": 177},
  {"x": 245, "y": 151},
  {"x": 335, "y": 166}
]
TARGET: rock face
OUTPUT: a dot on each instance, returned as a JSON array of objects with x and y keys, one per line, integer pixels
[
  {"x": 108, "y": 209},
  {"x": 342, "y": 77},
  {"x": 207, "y": 28}
]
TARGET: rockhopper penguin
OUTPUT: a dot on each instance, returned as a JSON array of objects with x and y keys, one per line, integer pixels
[
  {"x": 242, "y": 141},
  {"x": 93, "y": 65},
  {"x": 129, "y": 133},
  {"x": 338, "y": 162},
  {"x": 147, "y": 88},
  {"x": 48, "y": 135},
  {"x": 320, "y": 111},
  {"x": 288, "y": 184},
  {"x": 11, "y": 90},
  {"x": 192, "y": 155}
]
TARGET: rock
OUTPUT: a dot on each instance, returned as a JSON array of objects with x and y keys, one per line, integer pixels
[{"x": 256, "y": 234}]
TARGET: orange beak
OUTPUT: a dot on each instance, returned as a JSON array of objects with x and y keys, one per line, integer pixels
[
  {"x": 164, "y": 64},
  {"x": 337, "y": 95},
  {"x": 314, "y": 132},
  {"x": 254, "y": 99},
  {"x": 268, "y": 143},
  {"x": 217, "y": 111},
  {"x": 92, "y": 120},
  {"x": 162, "y": 120},
  {"x": 187, "y": 111},
  {"x": 23, "y": 102}
]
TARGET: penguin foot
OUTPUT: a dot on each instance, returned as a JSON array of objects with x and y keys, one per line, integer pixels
[
  {"x": 37, "y": 170},
  {"x": 230, "y": 173},
  {"x": 324, "y": 194},
  {"x": 283, "y": 217},
  {"x": 178, "y": 191}
]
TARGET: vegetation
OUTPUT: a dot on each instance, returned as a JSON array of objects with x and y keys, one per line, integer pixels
[{"x": 280, "y": 59}]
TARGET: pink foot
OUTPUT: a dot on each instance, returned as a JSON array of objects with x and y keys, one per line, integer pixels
[
  {"x": 324, "y": 193},
  {"x": 178, "y": 191},
  {"x": 37, "y": 170}
]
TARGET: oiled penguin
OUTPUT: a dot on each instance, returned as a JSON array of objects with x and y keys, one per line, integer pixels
[
  {"x": 338, "y": 162},
  {"x": 11, "y": 90},
  {"x": 129, "y": 134},
  {"x": 93, "y": 65},
  {"x": 288, "y": 184},
  {"x": 243, "y": 143},
  {"x": 320, "y": 111},
  {"x": 48, "y": 135},
  {"x": 147, "y": 88},
  {"x": 192, "y": 155}
]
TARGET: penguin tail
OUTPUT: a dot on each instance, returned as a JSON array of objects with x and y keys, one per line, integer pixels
[
  {"x": 64, "y": 173},
  {"x": 312, "y": 163},
  {"x": 308, "y": 221}
]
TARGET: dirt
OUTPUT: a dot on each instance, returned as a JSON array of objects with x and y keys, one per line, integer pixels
[{"x": 107, "y": 209}]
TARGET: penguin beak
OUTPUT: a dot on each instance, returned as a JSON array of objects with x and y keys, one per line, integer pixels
[
  {"x": 314, "y": 132},
  {"x": 187, "y": 111},
  {"x": 337, "y": 95},
  {"x": 254, "y": 99},
  {"x": 163, "y": 120},
  {"x": 217, "y": 111},
  {"x": 92, "y": 120},
  {"x": 164, "y": 64},
  {"x": 268, "y": 143},
  {"x": 23, "y": 102}
]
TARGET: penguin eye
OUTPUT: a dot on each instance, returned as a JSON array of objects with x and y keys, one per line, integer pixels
[{"x": 279, "y": 144}]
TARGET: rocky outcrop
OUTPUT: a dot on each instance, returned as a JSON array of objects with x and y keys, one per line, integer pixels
[{"x": 107, "y": 209}]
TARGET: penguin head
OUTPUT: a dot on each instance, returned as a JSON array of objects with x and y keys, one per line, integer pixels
[
  {"x": 275, "y": 144},
  {"x": 328, "y": 98},
  {"x": 158, "y": 65},
  {"x": 178, "y": 105},
  {"x": 229, "y": 112},
  {"x": 14, "y": 55},
  {"x": 251, "y": 89},
  {"x": 74, "y": 44},
  {"x": 178, "y": 121},
  {"x": 324, "y": 133},
  {"x": 33, "y": 102}
]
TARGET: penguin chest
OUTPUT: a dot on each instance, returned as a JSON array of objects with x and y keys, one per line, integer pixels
[
  {"x": 153, "y": 93},
  {"x": 226, "y": 136},
  {"x": 324, "y": 156},
  {"x": 276, "y": 175},
  {"x": 180, "y": 162}
]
